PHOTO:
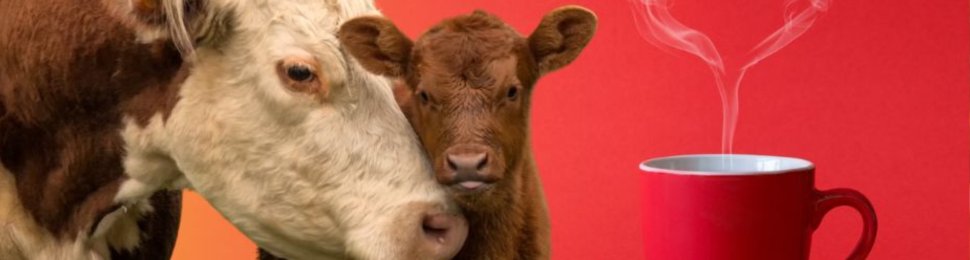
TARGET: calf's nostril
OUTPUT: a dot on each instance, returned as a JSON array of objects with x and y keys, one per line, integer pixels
[
  {"x": 451, "y": 164},
  {"x": 483, "y": 162}
]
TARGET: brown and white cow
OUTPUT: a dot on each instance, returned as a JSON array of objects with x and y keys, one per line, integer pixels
[
  {"x": 468, "y": 86},
  {"x": 108, "y": 108}
]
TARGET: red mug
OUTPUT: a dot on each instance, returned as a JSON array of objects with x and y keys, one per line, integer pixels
[{"x": 739, "y": 207}]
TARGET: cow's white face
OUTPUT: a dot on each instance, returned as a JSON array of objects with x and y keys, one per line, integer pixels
[{"x": 293, "y": 142}]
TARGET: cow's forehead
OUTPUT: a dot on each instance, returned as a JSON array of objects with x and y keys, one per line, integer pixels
[
  {"x": 289, "y": 21},
  {"x": 304, "y": 14},
  {"x": 267, "y": 31}
]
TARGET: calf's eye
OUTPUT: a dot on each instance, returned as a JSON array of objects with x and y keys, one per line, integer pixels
[
  {"x": 299, "y": 73},
  {"x": 513, "y": 92},
  {"x": 423, "y": 96}
]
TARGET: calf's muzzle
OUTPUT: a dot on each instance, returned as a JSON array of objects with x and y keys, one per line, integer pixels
[{"x": 468, "y": 168}]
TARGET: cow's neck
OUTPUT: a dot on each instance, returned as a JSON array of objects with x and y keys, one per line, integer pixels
[{"x": 64, "y": 102}]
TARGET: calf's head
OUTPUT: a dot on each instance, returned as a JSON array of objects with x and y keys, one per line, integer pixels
[
  {"x": 285, "y": 135},
  {"x": 468, "y": 83}
]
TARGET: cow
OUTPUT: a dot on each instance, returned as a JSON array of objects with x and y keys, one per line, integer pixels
[
  {"x": 467, "y": 87},
  {"x": 109, "y": 108}
]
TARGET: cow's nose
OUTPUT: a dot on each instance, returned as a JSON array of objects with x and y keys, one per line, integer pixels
[{"x": 444, "y": 234}]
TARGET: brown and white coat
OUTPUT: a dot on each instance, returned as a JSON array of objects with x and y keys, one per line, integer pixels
[{"x": 109, "y": 108}]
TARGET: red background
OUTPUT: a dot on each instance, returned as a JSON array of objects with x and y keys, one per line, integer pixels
[{"x": 876, "y": 94}]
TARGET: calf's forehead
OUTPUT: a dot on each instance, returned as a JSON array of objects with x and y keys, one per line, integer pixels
[
  {"x": 464, "y": 50},
  {"x": 511, "y": 68},
  {"x": 465, "y": 53}
]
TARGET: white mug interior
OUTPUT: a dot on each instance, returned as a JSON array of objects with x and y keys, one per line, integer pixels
[{"x": 725, "y": 164}]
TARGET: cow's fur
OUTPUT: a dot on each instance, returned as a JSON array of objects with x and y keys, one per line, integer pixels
[
  {"x": 107, "y": 105},
  {"x": 66, "y": 72},
  {"x": 468, "y": 82}
]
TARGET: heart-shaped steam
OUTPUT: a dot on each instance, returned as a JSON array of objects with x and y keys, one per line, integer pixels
[{"x": 657, "y": 25}]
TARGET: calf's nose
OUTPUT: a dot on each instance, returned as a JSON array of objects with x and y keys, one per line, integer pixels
[
  {"x": 467, "y": 162},
  {"x": 468, "y": 170}
]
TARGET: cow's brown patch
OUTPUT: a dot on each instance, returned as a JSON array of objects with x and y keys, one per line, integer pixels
[{"x": 69, "y": 73}]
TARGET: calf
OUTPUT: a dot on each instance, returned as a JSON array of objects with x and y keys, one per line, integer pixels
[{"x": 468, "y": 86}]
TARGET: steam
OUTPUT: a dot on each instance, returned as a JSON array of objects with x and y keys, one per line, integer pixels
[{"x": 659, "y": 27}]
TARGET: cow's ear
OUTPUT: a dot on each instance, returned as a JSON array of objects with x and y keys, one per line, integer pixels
[
  {"x": 377, "y": 44},
  {"x": 561, "y": 36},
  {"x": 153, "y": 20}
]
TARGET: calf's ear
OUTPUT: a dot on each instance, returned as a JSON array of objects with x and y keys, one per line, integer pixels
[
  {"x": 377, "y": 44},
  {"x": 561, "y": 36},
  {"x": 175, "y": 20}
]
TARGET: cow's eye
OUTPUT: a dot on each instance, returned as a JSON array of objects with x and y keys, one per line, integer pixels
[
  {"x": 299, "y": 73},
  {"x": 423, "y": 96},
  {"x": 513, "y": 92}
]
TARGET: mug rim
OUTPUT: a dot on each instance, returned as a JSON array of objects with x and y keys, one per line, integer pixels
[{"x": 649, "y": 165}]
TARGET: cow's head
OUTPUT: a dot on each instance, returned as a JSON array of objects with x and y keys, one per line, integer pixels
[
  {"x": 469, "y": 81},
  {"x": 285, "y": 135}
]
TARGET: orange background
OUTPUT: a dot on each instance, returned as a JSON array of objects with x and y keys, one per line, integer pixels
[{"x": 876, "y": 94}]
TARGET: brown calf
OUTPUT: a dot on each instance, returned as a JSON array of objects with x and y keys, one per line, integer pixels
[{"x": 469, "y": 82}]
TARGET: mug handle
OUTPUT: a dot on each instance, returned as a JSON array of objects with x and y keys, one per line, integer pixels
[{"x": 830, "y": 199}]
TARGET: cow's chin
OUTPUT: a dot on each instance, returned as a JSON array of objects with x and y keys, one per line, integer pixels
[{"x": 396, "y": 234}]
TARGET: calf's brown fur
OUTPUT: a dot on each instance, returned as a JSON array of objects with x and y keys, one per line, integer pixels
[{"x": 468, "y": 84}]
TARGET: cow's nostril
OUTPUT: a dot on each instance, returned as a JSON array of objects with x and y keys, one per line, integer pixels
[
  {"x": 436, "y": 226},
  {"x": 444, "y": 234}
]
